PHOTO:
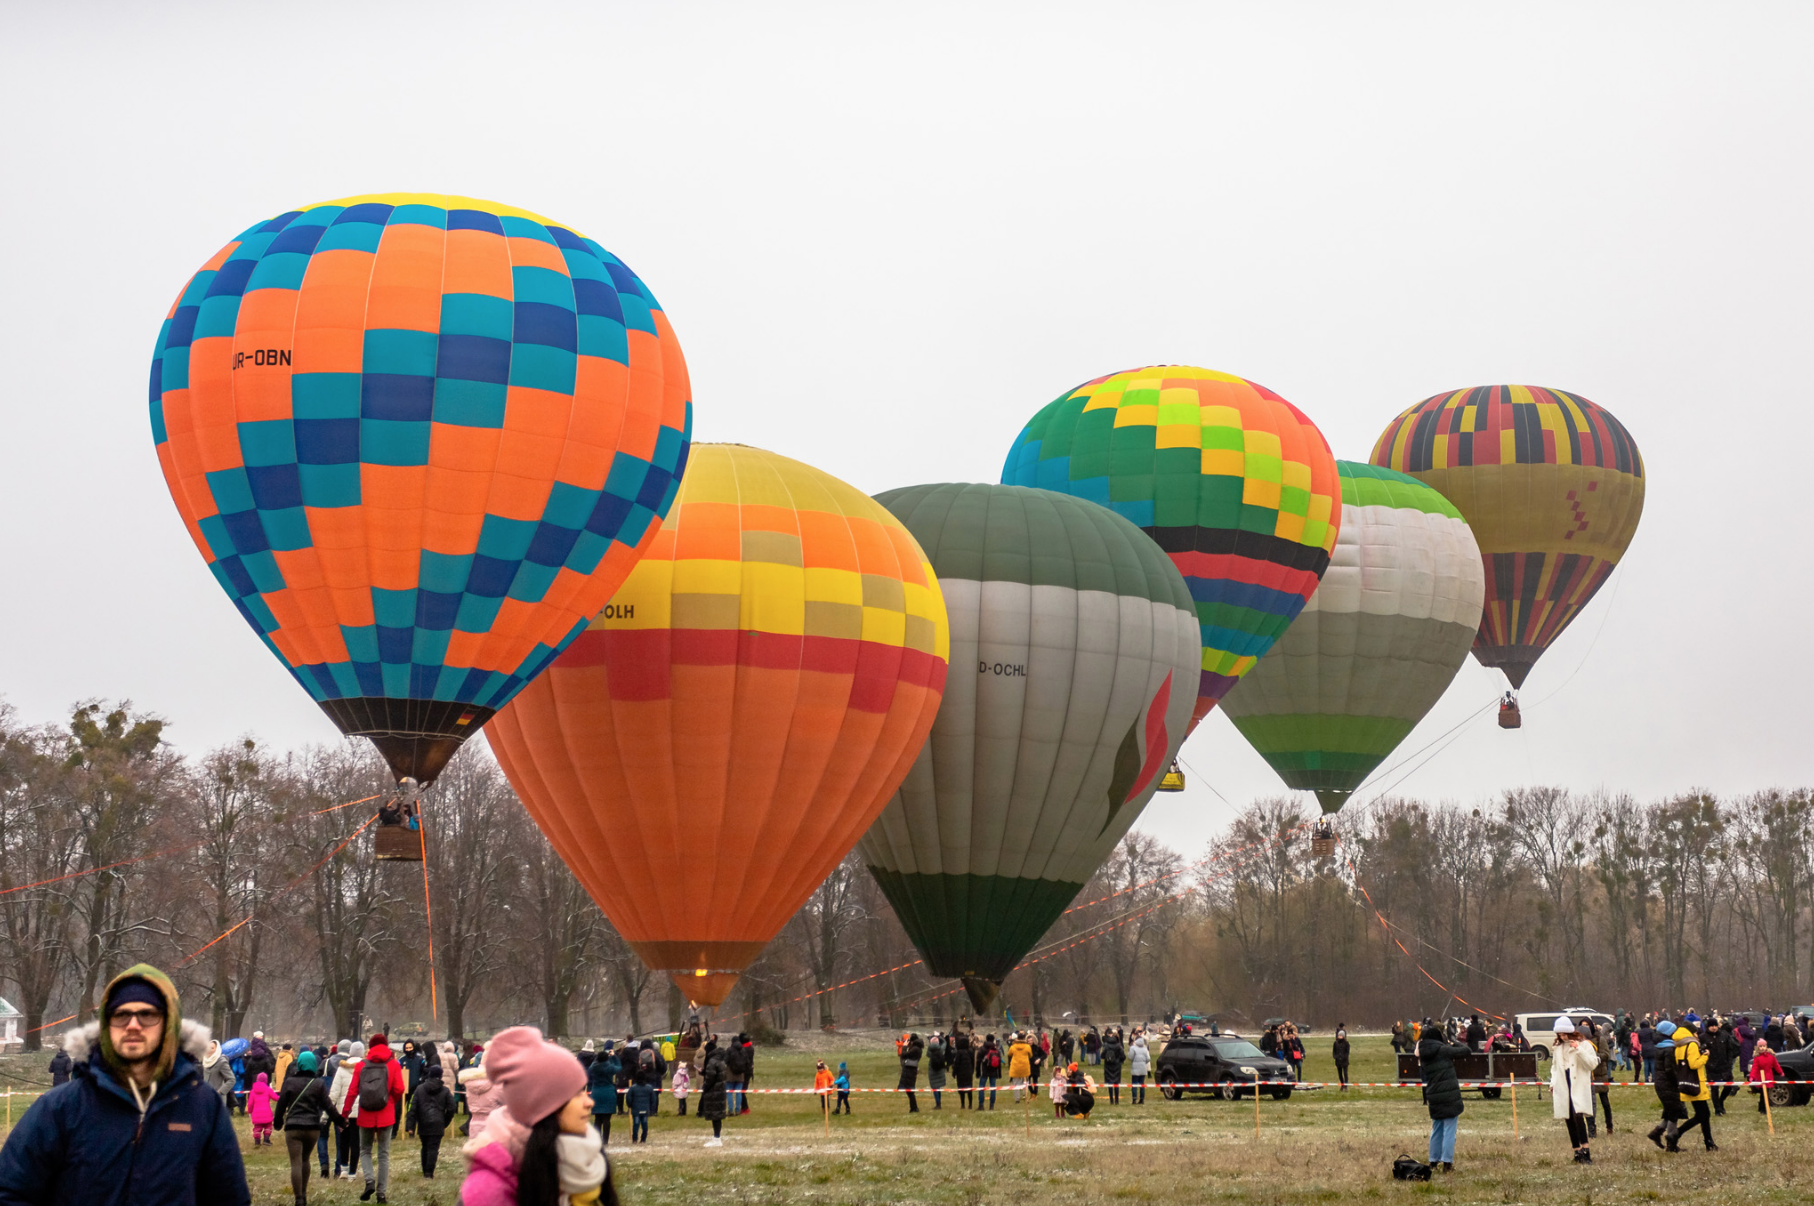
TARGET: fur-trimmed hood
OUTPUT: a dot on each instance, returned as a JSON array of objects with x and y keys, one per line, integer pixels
[{"x": 83, "y": 1041}]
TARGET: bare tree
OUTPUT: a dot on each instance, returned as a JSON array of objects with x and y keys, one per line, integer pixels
[
  {"x": 38, "y": 842},
  {"x": 353, "y": 898},
  {"x": 819, "y": 928},
  {"x": 473, "y": 873}
]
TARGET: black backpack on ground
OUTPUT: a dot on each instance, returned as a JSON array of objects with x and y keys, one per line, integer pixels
[{"x": 1407, "y": 1169}]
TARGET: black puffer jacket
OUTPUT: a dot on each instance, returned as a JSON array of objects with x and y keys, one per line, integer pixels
[
  {"x": 910, "y": 1062},
  {"x": 1113, "y": 1056},
  {"x": 1441, "y": 1086},
  {"x": 963, "y": 1063},
  {"x": 712, "y": 1092}
]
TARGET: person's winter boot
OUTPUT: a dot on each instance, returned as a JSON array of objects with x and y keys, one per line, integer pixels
[
  {"x": 380, "y": 1200},
  {"x": 370, "y": 1189},
  {"x": 1593, "y": 1132},
  {"x": 1448, "y": 1166},
  {"x": 1712, "y": 1146},
  {"x": 1656, "y": 1137},
  {"x": 1583, "y": 1156}
]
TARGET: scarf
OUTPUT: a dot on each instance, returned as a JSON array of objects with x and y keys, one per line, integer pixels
[
  {"x": 503, "y": 1130},
  {"x": 212, "y": 1057},
  {"x": 581, "y": 1163}
]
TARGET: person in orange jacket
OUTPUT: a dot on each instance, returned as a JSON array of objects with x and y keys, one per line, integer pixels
[{"x": 822, "y": 1082}]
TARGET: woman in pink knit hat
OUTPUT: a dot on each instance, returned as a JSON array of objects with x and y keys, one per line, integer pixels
[{"x": 539, "y": 1146}]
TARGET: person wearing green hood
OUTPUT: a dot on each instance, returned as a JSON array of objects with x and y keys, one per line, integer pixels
[{"x": 140, "y": 1127}]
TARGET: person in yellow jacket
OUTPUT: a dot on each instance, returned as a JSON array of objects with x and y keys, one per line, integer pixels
[
  {"x": 1691, "y": 1074},
  {"x": 1020, "y": 1064}
]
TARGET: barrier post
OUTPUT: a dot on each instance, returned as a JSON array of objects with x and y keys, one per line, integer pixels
[
  {"x": 825, "y": 1109},
  {"x": 1763, "y": 1088},
  {"x": 1026, "y": 1111},
  {"x": 1514, "y": 1105},
  {"x": 1256, "y": 1104}
]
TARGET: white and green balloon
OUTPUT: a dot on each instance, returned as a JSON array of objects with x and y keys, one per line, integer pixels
[
  {"x": 1075, "y": 653},
  {"x": 1376, "y": 646}
]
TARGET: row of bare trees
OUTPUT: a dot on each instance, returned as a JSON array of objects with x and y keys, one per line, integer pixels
[
  {"x": 242, "y": 872},
  {"x": 1542, "y": 897}
]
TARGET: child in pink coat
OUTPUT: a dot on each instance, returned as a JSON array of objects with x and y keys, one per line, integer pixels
[{"x": 259, "y": 1100}]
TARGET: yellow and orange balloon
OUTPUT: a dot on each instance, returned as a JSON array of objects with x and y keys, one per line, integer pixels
[{"x": 737, "y": 715}]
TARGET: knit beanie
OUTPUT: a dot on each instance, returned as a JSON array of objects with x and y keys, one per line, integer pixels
[
  {"x": 357, "y": 1051},
  {"x": 344, "y": 1046},
  {"x": 306, "y": 1061},
  {"x": 536, "y": 1077}
]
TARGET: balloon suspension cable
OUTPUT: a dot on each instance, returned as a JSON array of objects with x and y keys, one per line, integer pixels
[
  {"x": 145, "y": 858},
  {"x": 1604, "y": 616},
  {"x": 247, "y": 919},
  {"x": 1050, "y": 950},
  {"x": 1185, "y": 870},
  {"x": 428, "y": 906},
  {"x": 1393, "y": 931}
]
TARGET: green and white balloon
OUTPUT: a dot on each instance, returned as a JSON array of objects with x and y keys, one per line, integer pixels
[
  {"x": 1075, "y": 653},
  {"x": 1376, "y": 646}
]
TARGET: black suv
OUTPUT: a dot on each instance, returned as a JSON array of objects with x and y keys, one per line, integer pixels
[
  {"x": 1798, "y": 1066},
  {"x": 1227, "y": 1061}
]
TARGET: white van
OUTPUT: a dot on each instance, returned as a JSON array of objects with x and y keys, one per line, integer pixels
[{"x": 1540, "y": 1028}]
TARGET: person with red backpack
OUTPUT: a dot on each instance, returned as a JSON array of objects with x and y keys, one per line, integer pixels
[
  {"x": 376, "y": 1092},
  {"x": 988, "y": 1070}
]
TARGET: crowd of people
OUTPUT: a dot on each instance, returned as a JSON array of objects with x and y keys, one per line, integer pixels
[
  {"x": 977, "y": 1064},
  {"x": 1688, "y": 1059},
  {"x": 152, "y": 1095}
]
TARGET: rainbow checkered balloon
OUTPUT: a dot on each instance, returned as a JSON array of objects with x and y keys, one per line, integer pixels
[
  {"x": 1235, "y": 484},
  {"x": 420, "y": 440}
]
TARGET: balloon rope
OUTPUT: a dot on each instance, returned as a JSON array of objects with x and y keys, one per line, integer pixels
[
  {"x": 145, "y": 858},
  {"x": 249, "y": 916},
  {"x": 1604, "y": 616},
  {"x": 1101, "y": 928},
  {"x": 1392, "y": 932},
  {"x": 1456, "y": 728},
  {"x": 428, "y": 907}
]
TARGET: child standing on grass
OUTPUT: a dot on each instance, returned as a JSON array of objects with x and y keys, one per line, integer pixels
[
  {"x": 641, "y": 1097},
  {"x": 259, "y": 1100},
  {"x": 1055, "y": 1089},
  {"x": 842, "y": 1084},
  {"x": 683, "y": 1080}
]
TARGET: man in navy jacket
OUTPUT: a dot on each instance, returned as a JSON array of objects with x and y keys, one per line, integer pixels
[{"x": 140, "y": 1128}]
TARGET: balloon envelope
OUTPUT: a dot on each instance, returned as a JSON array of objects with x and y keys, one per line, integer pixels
[
  {"x": 1376, "y": 646},
  {"x": 735, "y": 717},
  {"x": 1552, "y": 486},
  {"x": 420, "y": 440},
  {"x": 1074, "y": 652},
  {"x": 1234, "y": 483}
]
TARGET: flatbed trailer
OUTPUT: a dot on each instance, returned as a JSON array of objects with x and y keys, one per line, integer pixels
[{"x": 1479, "y": 1066}]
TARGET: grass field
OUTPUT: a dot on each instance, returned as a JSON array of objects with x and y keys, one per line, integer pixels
[{"x": 1320, "y": 1146}]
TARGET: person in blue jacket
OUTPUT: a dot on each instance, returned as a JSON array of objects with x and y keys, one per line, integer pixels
[{"x": 140, "y": 1126}]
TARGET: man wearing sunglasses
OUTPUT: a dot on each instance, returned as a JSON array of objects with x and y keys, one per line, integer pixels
[{"x": 141, "y": 1127}]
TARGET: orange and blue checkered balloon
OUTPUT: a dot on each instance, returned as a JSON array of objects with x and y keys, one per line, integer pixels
[{"x": 420, "y": 440}]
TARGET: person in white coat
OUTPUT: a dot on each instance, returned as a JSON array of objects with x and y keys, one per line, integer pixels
[
  {"x": 346, "y": 1135},
  {"x": 1571, "y": 1082},
  {"x": 1139, "y": 1063}
]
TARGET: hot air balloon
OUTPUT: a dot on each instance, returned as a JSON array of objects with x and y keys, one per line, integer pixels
[
  {"x": 1074, "y": 655},
  {"x": 420, "y": 440},
  {"x": 1235, "y": 484},
  {"x": 735, "y": 717},
  {"x": 1377, "y": 644},
  {"x": 1552, "y": 486}
]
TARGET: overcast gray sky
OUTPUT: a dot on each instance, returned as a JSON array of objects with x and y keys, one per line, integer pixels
[{"x": 886, "y": 234}]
